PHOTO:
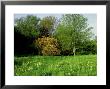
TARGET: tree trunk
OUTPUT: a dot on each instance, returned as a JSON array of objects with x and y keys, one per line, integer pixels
[{"x": 74, "y": 50}]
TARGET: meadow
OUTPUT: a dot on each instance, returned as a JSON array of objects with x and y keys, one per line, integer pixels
[{"x": 81, "y": 65}]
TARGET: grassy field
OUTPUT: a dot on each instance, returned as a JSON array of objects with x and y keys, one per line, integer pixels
[{"x": 56, "y": 66}]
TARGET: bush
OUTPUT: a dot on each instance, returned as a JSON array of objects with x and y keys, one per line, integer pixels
[
  {"x": 23, "y": 45},
  {"x": 47, "y": 46},
  {"x": 50, "y": 50}
]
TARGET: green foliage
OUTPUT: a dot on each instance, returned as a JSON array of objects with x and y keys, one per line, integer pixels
[
  {"x": 47, "y": 46},
  {"x": 56, "y": 66},
  {"x": 72, "y": 31},
  {"x": 27, "y": 26},
  {"x": 25, "y": 31},
  {"x": 47, "y": 25},
  {"x": 64, "y": 37},
  {"x": 90, "y": 47},
  {"x": 72, "y": 35}
]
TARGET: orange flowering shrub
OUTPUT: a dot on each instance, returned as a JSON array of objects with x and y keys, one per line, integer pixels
[{"x": 47, "y": 46}]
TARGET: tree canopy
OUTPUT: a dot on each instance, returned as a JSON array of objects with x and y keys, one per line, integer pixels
[
  {"x": 28, "y": 26},
  {"x": 47, "y": 25},
  {"x": 72, "y": 31}
]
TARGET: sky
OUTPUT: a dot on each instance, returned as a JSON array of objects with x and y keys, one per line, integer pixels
[{"x": 92, "y": 19}]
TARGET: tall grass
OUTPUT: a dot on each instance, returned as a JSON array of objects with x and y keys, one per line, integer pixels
[{"x": 56, "y": 66}]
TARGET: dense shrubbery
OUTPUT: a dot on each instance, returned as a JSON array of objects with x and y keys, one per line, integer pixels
[
  {"x": 25, "y": 32},
  {"x": 23, "y": 45},
  {"x": 47, "y": 46},
  {"x": 44, "y": 36},
  {"x": 50, "y": 50}
]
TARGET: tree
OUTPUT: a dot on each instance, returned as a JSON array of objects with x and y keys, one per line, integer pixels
[
  {"x": 28, "y": 26},
  {"x": 26, "y": 31},
  {"x": 47, "y": 25},
  {"x": 91, "y": 46},
  {"x": 72, "y": 31}
]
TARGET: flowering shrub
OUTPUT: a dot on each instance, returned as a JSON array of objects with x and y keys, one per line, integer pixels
[
  {"x": 47, "y": 46},
  {"x": 50, "y": 50}
]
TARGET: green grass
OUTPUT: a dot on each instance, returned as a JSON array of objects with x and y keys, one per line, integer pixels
[{"x": 56, "y": 66}]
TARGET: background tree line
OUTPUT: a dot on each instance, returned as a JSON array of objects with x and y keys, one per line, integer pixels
[{"x": 71, "y": 35}]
